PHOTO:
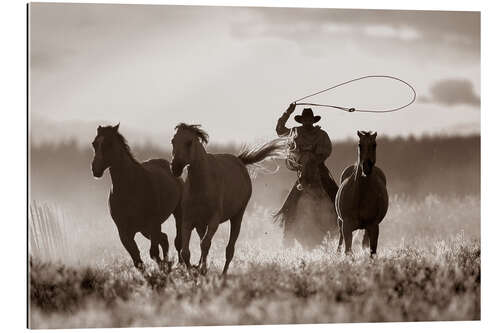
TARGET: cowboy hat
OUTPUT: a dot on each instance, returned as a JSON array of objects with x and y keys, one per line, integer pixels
[{"x": 307, "y": 113}]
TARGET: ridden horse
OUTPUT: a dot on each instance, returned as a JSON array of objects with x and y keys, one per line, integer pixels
[
  {"x": 217, "y": 188},
  {"x": 308, "y": 211},
  {"x": 142, "y": 197},
  {"x": 362, "y": 199}
]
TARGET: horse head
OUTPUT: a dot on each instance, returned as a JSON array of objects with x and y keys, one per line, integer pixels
[
  {"x": 186, "y": 146},
  {"x": 308, "y": 170},
  {"x": 367, "y": 151},
  {"x": 105, "y": 148}
]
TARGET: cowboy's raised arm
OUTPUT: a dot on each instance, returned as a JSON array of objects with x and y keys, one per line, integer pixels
[{"x": 281, "y": 129}]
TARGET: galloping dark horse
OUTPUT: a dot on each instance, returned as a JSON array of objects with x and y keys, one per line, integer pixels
[
  {"x": 143, "y": 194},
  {"x": 362, "y": 200},
  {"x": 217, "y": 188}
]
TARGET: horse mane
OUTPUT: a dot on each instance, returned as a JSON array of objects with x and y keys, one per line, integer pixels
[
  {"x": 195, "y": 129},
  {"x": 121, "y": 140},
  {"x": 126, "y": 148}
]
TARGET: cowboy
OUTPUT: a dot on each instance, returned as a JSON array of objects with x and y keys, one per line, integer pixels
[{"x": 310, "y": 139}]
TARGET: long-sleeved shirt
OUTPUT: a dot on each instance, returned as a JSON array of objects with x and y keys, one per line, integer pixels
[{"x": 313, "y": 140}]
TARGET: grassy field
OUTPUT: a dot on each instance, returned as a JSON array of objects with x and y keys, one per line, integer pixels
[
  {"x": 427, "y": 268},
  {"x": 401, "y": 284}
]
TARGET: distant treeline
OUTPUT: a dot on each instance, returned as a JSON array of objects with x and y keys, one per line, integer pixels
[{"x": 414, "y": 167}]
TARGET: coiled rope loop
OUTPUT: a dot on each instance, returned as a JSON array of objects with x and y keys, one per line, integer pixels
[{"x": 351, "y": 109}]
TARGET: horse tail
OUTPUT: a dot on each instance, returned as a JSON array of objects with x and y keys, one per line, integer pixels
[{"x": 273, "y": 149}]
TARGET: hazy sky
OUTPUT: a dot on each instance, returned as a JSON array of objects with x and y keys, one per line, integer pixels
[{"x": 235, "y": 70}]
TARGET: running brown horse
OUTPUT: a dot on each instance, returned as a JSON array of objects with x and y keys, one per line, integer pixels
[
  {"x": 362, "y": 199},
  {"x": 217, "y": 188},
  {"x": 142, "y": 197}
]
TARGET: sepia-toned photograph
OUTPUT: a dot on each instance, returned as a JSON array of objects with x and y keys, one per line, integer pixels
[{"x": 212, "y": 165}]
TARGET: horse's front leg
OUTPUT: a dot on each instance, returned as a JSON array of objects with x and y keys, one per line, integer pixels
[
  {"x": 155, "y": 234},
  {"x": 164, "y": 246},
  {"x": 186, "y": 229},
  {"x": 347, "y": 230},
  {"x": 201, "y": 230},
  {"x": 127, "y": 239},
  {"x": 366, "y": 239},
  {"x": 206, "y": 242},
  {"x": 178, "y": 230},
  {"x": 341, "y": 235},
  {"x": 372, "y": 231}
]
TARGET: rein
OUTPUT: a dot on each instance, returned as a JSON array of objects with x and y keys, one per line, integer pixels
[{"x": 352, "y": 109}]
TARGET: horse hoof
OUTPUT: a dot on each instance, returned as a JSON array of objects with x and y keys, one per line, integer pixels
[
  {"x": 140, "y": 266},
  {"x": 166, "y": 266}
]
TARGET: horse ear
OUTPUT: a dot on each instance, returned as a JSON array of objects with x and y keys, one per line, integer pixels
[
  {"x": 374, "y": 135},
  {"x": 115, "y": 128},
  {"x": 99, "y": 129},
  {"x": 360, "y": 134}
]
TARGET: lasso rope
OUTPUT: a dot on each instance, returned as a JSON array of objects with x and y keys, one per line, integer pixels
[{"x": 354, "y": 109}]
